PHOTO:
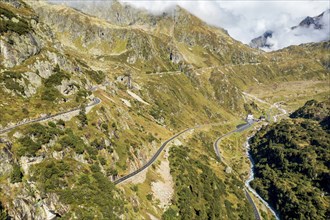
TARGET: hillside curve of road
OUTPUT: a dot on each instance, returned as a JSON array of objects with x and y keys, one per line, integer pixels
[
  {"x": 238, "y": 129},
  {"x": 218, "y": 154},
  {"x": 96, "y": 101},
  {"x": 152, "y": 160},
  {"x": 155, "y": 156}
]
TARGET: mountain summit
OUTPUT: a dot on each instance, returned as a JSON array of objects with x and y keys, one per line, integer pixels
[
  {"x": 317, "y": 22},
  {"x": 308, "y": 29},
  {"x": 261, "y": 41}
]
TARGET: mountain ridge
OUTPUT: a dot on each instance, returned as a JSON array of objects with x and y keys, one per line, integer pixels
[{"x": 191, "y": 76}]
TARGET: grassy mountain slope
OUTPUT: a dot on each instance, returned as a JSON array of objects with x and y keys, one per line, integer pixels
[{"x": 54, "y": 58}]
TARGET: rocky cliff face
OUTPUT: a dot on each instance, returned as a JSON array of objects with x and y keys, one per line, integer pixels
[
  {"x": 318, "y": 22},
  {"x": 117, "y": 13},
  {"x": 16, "y": 49},
  {"x": 261, "y": 41},
  {"x": 22, "y": 42}
]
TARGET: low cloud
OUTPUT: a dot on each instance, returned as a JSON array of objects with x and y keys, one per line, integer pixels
[
  {"x": 286, "y": 37},
  {"x": 244, "y": 20}
]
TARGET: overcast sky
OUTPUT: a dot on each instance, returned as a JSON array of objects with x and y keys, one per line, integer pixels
[{"x": 246, "y": 20}]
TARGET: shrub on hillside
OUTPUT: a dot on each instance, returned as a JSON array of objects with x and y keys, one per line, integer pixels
[
  {"x": 27, "y": 147},
  {"x": 294, "y": 152},
  {"x": 16, "y": 174},
  {"x": 50, "y": 94}
]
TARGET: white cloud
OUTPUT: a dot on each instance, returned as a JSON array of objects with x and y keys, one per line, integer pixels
[
  {"x": 285, "y": 36},
  {"x": 244, "y": 19}
]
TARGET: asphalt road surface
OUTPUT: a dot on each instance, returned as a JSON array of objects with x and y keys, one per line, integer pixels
[
  {"x": 154, "y": 157},
  {"x": 217, "y": 152},
  {"x": 238, "y": 129},
  {"x": 95, "y": 102}
]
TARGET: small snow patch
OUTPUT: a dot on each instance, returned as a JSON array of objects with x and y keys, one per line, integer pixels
[
  {"x": 152, "y": 217},
  {"x": 49, "y": 214},
  {"x": 126, "y": 102},
  {"x": 137, "y": 97}
]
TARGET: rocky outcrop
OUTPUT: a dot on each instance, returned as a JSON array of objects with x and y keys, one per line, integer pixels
[
  {"x": 6, "y": 159},
  {"x": 30, "y": 207},
  {"x": 117, "y": 13},
  {"x": 26, "y": 162},
  {"x": 261, "y": 41},
  {"x": 68, "y": 87},
  {"x": 34, "y": 83},
  {"x": 14, "y": 3},
  {"x": 317, "y": 22},
  {"x": 15, "y": 49},
  {"x": 23, "y": 209}
]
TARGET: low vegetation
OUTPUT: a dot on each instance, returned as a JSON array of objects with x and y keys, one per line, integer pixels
[
  {"x": 50, "y": 94},
  {"x": 37, "y": 135},
  {"x": 97, "y": 76},
  {"x": 10, "y": 81},
  {"x": 318, "y": 111},
  {"x": 56, "y": 78},
  {"x": 20, "y": 27},
  {"x": 3, "y": 213},
  {"x": 88, "y": 192},
  {"x": 16, "y": 174},
  {"x": 199, "y": 192}
]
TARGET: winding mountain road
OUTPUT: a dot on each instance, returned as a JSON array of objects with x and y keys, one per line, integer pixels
[
  {"x": 155, "y": 156},
  {"x": 158, "y": 152},
  {"x": 152, "y": 160},
  {"x": 239, "y": 129},
  {"x": 217, "y": 152},
  {"x": 7, "y": 129},
  {"x": 216, "y": 144},
  {"x": 255, "y": 209}
]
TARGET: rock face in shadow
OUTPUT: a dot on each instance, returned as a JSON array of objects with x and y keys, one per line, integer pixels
[
  {"x": 261, "y": 41},
  {"x": 317, "y": 22}
]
